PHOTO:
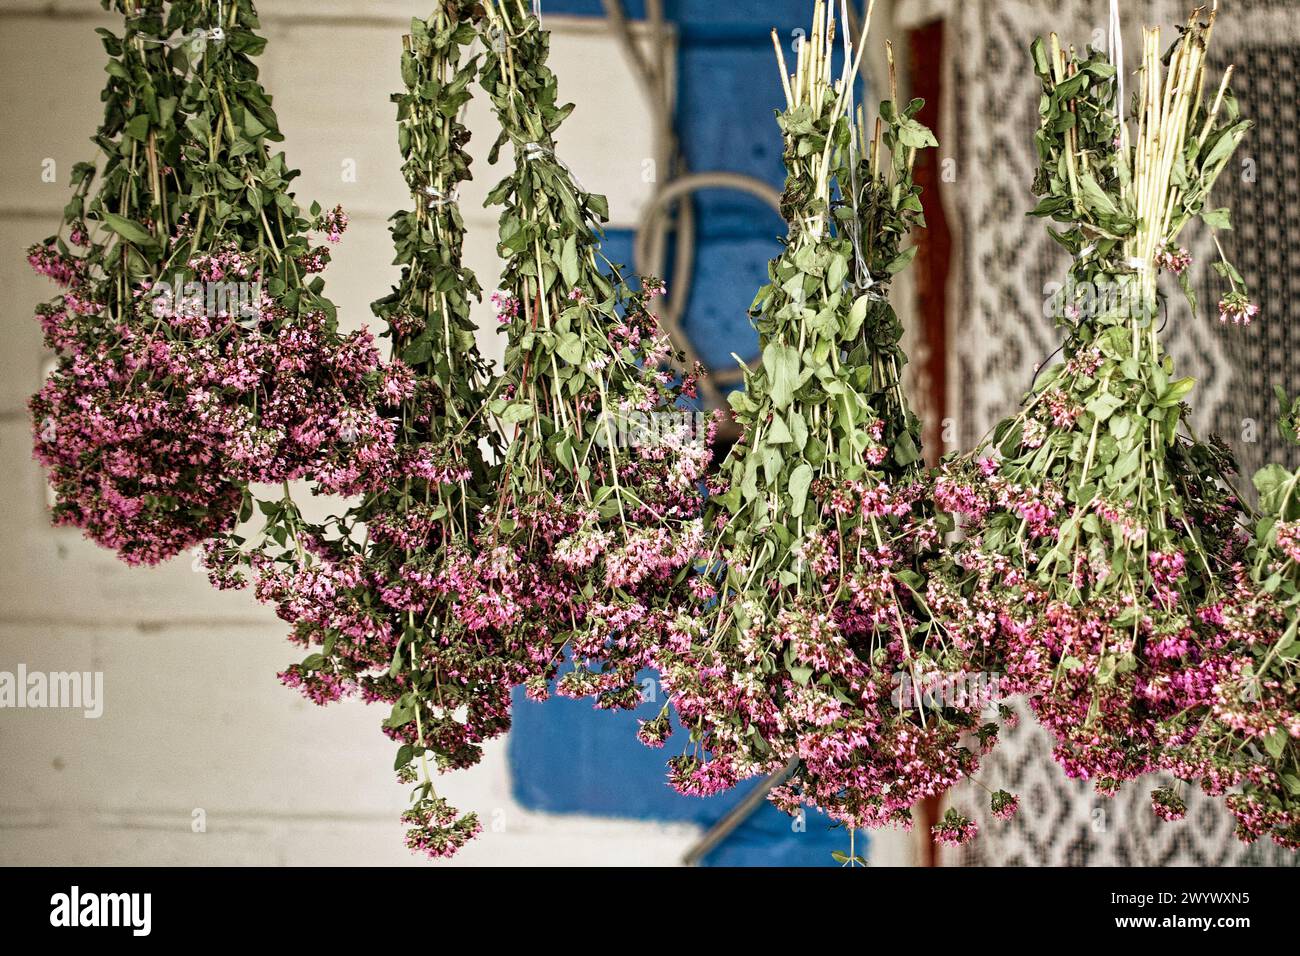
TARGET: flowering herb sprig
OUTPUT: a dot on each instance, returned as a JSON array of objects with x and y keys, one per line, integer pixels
[
  {"x": 1099, "y": 540},
  {"x": 597, "y": 507},
  {"x": 809, "y": 646},
  {"x": 370, "y": 593},
  {"x": 196, "y": 354},
  {"x": 1249, "y": 735}
]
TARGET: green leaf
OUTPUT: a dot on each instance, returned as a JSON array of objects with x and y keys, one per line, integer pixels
[
  {"x": 1225, "y": 145},
  {"x": 915, "y": 135},
  {"x": 858, "y": 312},
  {"x": 599, "y": 206},
  {"x": 1275, "y": 743},
  {"x": 1217, "y": 218},
  {"x": 800, "y": 480},
  {"x": 405, "y": 754},
  {"x": 1039, "y": 52},
  {"x": 901, "y": 261},
  {"x": 569, "y": 260},
  {"x": 781, "y": 363},
  {"x": 837, "y": 272},
  {"x": 1175, "y": 393},
  {"x": 905, "y": 450},
  {"x": 569, "y": 347},
  {"x": 798, "y": 429},
  {"x": 418, "y": 352},
  {"x": 129, "y": 229},
  {"x": 1126, "y": 464},
  {"x": 403, "y": 712},
  {"x": 1104, "y": 405},
  {"x": 772, "y": 460},
  {"x": 778, "y": 433},
  {"x": 138, "y": 127},
  {"x": 1270, "y": 481},
  {"x": 1095, "y": 196},
  {"x": 517, "y": 412}
]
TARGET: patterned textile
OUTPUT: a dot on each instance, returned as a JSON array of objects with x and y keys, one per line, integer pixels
[{"x": 999, "y": 333}]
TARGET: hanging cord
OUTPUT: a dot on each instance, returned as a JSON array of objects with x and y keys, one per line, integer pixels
[{"x": 1115, "y": 50}]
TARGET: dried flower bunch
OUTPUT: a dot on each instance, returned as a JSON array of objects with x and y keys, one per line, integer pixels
[
  {"x": 809, "y": 643},
  {"x": 370, "y": 593},
  {"x": 597, "y": 507},
  {"x": 455, "y": 579},
  {"x": 196, "y": 352},
  {"x": 1249, "y": 735},
  {"x": 1102, "y": 546}
]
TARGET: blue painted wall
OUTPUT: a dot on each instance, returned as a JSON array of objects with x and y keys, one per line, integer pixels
[{"x": 565, "y": 756}]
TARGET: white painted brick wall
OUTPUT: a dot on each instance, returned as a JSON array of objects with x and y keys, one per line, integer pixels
[{"x": 194, "y": 717}]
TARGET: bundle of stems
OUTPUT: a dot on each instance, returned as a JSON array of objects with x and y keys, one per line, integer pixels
[
  {"x": 112, "y": 241},
  {"x": 808, "y": 626},
  {"x": 198, "y": 353},
  {"x": 371, "y": 592},
  {"x": 1097, "y": 527},
  {"x": 1249, "y": 736},
  {"x": 596, "y": 508}
]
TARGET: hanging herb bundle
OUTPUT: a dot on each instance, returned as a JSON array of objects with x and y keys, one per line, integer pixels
[
  {"x": 809, "y": 645},
  {"x": 196, "y": 353},
  {"x": 370, "y": 592},
  {"x": 1099, "y": 540},
  {"x": 104, "y": 468},
  {"x": 597, "y": 506}
]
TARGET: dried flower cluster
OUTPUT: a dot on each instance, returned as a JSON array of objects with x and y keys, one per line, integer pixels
[
  {"x": 195, "y": 353},
  {"x": 596, "y": 508},
  {"x": 1104, "y": 552},
  {"x": 810, "y": 643}
]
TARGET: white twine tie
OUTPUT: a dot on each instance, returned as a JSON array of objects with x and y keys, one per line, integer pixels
[
  {"x": 532, "y": 150},
  {"x": 438, "y": 198},
  {"x": 214, "y": 34}
]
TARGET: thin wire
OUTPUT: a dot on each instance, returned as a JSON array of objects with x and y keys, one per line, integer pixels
[{"x": 1115, "y": 51}]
